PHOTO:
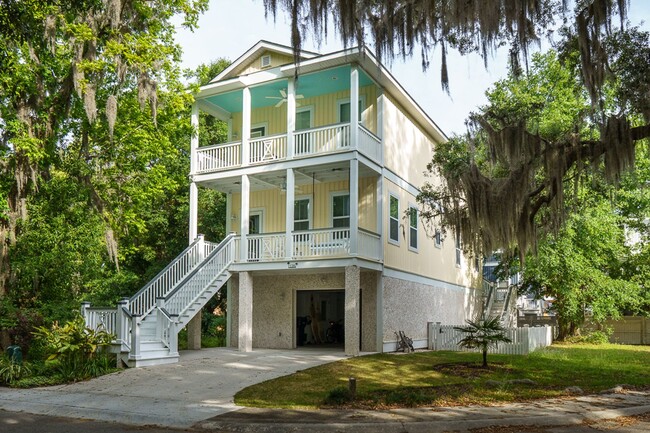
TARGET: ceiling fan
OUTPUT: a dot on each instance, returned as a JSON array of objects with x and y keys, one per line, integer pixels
[{"x": 283, "y": 98}]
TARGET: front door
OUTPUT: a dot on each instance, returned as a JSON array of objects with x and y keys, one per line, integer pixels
[{"x": 255, "y": 243}]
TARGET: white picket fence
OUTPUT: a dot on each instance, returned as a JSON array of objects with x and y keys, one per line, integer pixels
[{"x": 524, "y": 340}]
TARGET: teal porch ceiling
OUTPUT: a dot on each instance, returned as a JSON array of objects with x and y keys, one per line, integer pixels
[{"x": 309, "y": 85}]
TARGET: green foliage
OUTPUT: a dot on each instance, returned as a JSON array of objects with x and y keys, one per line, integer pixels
[
  {"x": 11, "y": 372},
  {"x": 73, "y": 349},
  {"x": 338, "y": 396},
  {"x": 594, "y": 337},
  {"x": 482, "y": 335},
  {"x": 583, "y": 266}
]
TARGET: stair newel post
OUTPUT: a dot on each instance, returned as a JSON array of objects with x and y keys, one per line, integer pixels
[
  {"x": 121, "y": 323},
  {"x": 201, "y": 246},
  {"x": 84, "y": 312},
  {"x": 160, "y": 318},
  {"x": 135, "y": 337},
  {"x": 173, "y": 336}
]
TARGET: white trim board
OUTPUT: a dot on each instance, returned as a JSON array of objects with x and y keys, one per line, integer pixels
[
  {"x": 405, "y": 185},
  {"x": 407, "y": 276}
]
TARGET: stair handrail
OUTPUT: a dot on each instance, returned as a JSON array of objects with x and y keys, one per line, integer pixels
[
  {"x": 506, "y": 307},
  {"x": 490, "y": 299},
  {"x": 144, "y": 301},
  {"x": 227, "y": 241}
]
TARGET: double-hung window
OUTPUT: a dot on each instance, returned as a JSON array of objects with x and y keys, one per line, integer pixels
[
  {"x": 413, "y": 228},
  {"x": 341, "y": 210},
  {"x": 437, "y": 238},
  {"x": 458, "y": 248},
  {"x": 301, "y": 214},
  {"x": 393, "y": 219}
]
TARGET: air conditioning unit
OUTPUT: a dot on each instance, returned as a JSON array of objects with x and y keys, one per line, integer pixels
[{"x": 265, "y": 61}]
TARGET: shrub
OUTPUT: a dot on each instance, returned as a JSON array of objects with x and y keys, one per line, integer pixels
[
  {"x": 11, "y": 371},
  {"x": 338, "y": 396},
  {"x": 592, "y": 337},
  {"x": 482, "y": 335},
  {"x": 73, "y": 348}
]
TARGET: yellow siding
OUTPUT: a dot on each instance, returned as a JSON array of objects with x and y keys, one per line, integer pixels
[
  {"x": 277, "y": 59},
  {"x": 273, "y": 204},
  {"x": 325, "y": 108},
  {"x": 429, "y": 260},
  {"x": 407, "y": 149}
]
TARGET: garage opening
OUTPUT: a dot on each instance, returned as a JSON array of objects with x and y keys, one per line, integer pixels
[{"x": 319, "y": 320}]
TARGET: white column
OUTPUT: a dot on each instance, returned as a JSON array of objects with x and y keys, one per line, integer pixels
[
  {"x": 194, "y": 210},
  {"x": 194, "y": 191},
  {"x": 352, "y": 310},
  {"x": 244, "y": 214},
  {"x": 290, "y": 195},
  {"x": 245, "y": 343},
  {"x": 354, "y": 205},
  {"x": 354, "y": 106},
  {"x": 380, "y": 112},
  {"x": 194, "y": 141},
  {"x": 246, "y": 126},
  {"x": 229, "y": 123},
  {"x": 291, "y": 116},
  {"x": 380, "y": 212},
  {"x": 229, "y": 227},
  {"x": 380, "y": 122}
]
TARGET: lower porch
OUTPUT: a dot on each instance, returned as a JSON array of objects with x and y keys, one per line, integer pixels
[{"x": 294, "y": 308}]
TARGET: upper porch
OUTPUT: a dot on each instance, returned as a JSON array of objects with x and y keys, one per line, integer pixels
[{"x": 282, "y": 119}]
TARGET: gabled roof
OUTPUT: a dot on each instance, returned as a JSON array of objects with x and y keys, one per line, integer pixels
[{"x": 255, "y": 51}]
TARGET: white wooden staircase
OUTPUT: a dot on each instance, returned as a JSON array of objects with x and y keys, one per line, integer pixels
[
  {"x": 499, "y": 303},
  {"x": 146, "y": 325}
]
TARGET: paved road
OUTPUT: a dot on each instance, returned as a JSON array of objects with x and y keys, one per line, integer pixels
[{"x": 26, "y": 423}]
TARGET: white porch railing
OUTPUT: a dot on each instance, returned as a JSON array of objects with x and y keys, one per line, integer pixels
[
  {"x": 369, "y": 245},
  {"x": 369, "y": 144},
  {"x": 321, "y": 243},
  {"x": 266, "y": 247},
  {"x": 218, "y": 157},
  {"x": 325, "y": 139},
  {"x": 524, "y": 340},
  {"x": 162, "y": 284},
  {"x": 309, "y": 244},
  {"x": 266, "y": 149},
  {"x": 101, "y": 319}
]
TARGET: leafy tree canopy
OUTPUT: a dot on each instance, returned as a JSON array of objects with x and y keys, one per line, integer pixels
[{"x": 505, "y": 179}]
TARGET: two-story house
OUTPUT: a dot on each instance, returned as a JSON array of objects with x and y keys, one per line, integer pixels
[{"x": 323, "y": 162}]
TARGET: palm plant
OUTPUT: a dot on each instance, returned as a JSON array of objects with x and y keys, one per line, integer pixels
[{"x": 483, "y": 334}]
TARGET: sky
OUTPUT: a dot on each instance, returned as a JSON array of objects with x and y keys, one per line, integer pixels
[{"x": 230, "y": 27}]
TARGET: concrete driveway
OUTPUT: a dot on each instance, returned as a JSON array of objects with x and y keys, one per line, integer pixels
[{"x": 201, "y": 386}]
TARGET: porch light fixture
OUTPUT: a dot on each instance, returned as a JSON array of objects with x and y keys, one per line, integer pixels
[{"x": 283, "y": 186}]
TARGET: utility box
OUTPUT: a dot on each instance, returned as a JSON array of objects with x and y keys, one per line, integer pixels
[{"x": 15, "y": 354}]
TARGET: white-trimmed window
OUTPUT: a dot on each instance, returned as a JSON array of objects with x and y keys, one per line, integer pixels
[
  {"x": 413, "y": 228},
  {"x": 301, "y": 214},
  {"x": 265, "y": 61},
  {"x": 304, "y": 118},
  {"x": 258, "y": 131},
  {"x": 340, "y": 210},
  {"x": 343, "y": 114},
  {"x": 437, "y": 238},
  {"x": 458, "y": 249},
  {"x": 393, "y": 219}
]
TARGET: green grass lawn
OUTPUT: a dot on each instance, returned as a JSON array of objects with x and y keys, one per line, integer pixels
[{"x": 454, "y": 378}]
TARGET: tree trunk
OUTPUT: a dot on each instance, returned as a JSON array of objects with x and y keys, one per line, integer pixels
[{"x": 485, "y": 364}]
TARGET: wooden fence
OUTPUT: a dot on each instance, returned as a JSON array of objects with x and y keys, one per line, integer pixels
[
  {"x": 524, "y": 340},
  {"x": 629, "y": 330}
]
